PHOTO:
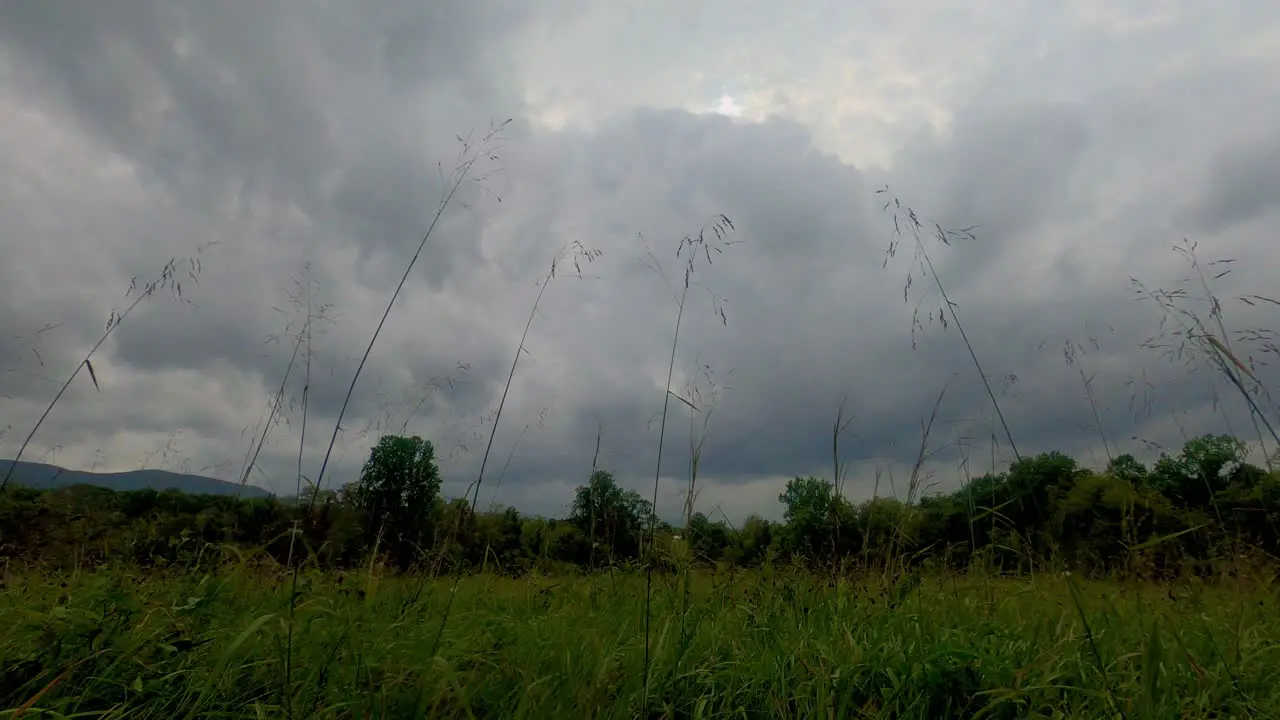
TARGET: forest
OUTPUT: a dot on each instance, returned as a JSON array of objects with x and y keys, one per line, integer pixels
[{"x": 1185, "y": 514}]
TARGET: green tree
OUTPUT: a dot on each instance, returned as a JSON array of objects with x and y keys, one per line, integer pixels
[
  {"x": 398, "y": 490},
  {"x": 709, "y": 539},
  {"x": 1127, "y": 468},
  {"x": 614, "y": 518},
  {"x": 1035, "y": 482},
  {"x": 1214, "y": 458},
  {"x": 751, "y": 544},
  {"x": 498, "y": 539},
  {"x": 813, "y": 514},
  {"x": 1202, "y": 469}
]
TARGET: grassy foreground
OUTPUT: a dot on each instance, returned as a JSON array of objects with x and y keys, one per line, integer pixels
[{"x": 118, "y": 643}]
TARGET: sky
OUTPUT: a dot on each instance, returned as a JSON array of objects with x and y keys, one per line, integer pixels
[{"x": 289, "y": 158}]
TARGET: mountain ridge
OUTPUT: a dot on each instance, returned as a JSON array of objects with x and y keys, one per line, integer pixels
[{"x": 41, "y": 476}]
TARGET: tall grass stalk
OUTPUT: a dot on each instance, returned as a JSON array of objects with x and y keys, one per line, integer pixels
[
  {"x": 591, "y": 520},
  {"x": 704, "y": 404},
  {"x": 506, "y": 465},
  {"x": 839, "y": 471},
  {"x": 305, "y": 336},
  {"x": 301, "y": 349},
  {"x": 1190, "y": 332},
  {"x": 1073, "y": 355},
  {"x": 720, "y": 227},
  {"x": 576, "y": 254},
  {"x": 470, "y": 153},
  {"x": 945, "y": 237},
  {"x": 170, "y": 278}
]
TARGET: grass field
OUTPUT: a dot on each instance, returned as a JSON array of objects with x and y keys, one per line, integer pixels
[{"x": 769, "y": 643}]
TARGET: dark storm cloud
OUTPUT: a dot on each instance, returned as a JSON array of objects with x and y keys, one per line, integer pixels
[
  {"x": 267, "y": 106},
  {"x": 253, "y": 88},
  {"x": 287, "y": 134},
  {"x": 295, "y": 133},
  {"x": 815, "y": 316}
]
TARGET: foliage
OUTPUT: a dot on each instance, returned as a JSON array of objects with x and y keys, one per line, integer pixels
[
  {"x": 1045, "y": 512},
  {"x": 811, "y": 512},
  {"x": 611, "y": 517},
  {"x": 397, "y": 491},
  {"x": 1203, "y": 469},
  {"x": 775, "y": 642}
]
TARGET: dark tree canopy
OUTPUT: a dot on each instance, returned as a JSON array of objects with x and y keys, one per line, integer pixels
[
  {"x": 397, "y": 493},
  {"x": 1184, "y": 514},
  {"x": 612, "y": 517}
]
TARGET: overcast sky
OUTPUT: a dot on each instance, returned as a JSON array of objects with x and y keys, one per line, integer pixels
[{"x": 295, "y": 146}]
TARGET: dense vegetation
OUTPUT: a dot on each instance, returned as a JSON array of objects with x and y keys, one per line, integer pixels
[
  {"x": 768, "y": 643},
  {"x": 1185, "y": 514},
  {"x": 162, "y": 604}
]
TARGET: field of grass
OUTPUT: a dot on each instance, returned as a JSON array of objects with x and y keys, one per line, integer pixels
[{"x": 769, "y": 643}]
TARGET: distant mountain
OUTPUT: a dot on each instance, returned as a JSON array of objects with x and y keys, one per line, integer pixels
[{"x": 44, "y": 477}]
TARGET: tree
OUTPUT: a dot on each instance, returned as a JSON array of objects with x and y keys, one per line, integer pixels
[
  {"x": 1127, "y": 468},
  {"x": 1036, "y": 481},
  {"x": 1214, "y": 457},
  {"x": 1203, "y": 469},
  {"x": 609, "y": 515},
  {"x": 396, "y": 494},
  {"x": 812, "y": 512},
  {"x": 709, "y": 539},
  {"x": 751, "y": 545}
]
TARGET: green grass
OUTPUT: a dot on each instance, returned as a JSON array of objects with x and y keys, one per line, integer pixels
[{"x": 779, "y": 644}]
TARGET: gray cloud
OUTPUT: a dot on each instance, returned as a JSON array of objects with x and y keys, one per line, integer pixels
[
  {"x": 294, "y": 135},
  {"x": 1241, "y": 185}
]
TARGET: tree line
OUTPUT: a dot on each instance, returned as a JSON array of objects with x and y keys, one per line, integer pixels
[{"x": 1189, "y": 512}]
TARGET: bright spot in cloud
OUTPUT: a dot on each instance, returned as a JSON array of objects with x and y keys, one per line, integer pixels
[{"x": 727, "y": 106}]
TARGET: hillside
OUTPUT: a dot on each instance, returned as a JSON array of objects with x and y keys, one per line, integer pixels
[{"x": 41, "y": 476}]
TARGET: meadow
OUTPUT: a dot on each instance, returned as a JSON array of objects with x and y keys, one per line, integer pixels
[{"x": 767, "y": 643}]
